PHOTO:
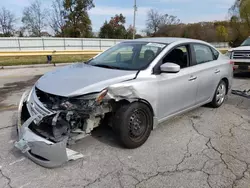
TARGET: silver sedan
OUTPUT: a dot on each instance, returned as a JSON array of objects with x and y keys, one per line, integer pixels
[{"x": 132, "y": 87}]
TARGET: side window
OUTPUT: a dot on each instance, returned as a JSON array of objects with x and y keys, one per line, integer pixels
[
  {"x": 179, "y": 56},
  {"x": 216, "y": 53},
  {"x": 203, "y": 53}
]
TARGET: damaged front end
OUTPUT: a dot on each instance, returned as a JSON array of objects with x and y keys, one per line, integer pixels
[{"x": 47, "y": 124}]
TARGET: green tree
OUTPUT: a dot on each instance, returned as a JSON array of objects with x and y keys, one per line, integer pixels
[
  {"x": 222, "y": 33},
  {"x": 239, "y": 21},
  {"x": 244, "y": 12},
  {"x": 239, "y": 33},
  {"x": 115, "y": 28},
  {"x": 106, "y": 31},
  {"x": 185, "y": 34},
  {"x": 78, "y": 23},
  {"x": 129, "y": 33}
]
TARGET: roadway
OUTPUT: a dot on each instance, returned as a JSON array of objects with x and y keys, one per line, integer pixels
[{"x": 203, "y": 148}]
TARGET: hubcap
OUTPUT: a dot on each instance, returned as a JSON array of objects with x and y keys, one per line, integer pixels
[
  {"x": 137, "y": 124},
  {"x": 220, "y": 94}
]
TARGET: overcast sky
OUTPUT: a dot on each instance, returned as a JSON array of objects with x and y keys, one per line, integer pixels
[{"x": 186, "y": 10}]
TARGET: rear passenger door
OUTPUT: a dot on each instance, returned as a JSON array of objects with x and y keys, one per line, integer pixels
[{"x": 207, "y": 70}]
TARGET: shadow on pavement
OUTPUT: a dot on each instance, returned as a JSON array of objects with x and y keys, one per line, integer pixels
[{"x": 106, "y": 135}]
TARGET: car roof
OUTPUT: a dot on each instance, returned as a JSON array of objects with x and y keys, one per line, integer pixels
[{"x": 166, "y": 40}]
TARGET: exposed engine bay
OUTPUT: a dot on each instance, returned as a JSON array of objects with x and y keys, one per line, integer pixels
[{"x": 72, "y": 118}]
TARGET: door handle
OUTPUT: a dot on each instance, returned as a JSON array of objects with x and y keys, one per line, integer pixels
[
  {"x": 217, "y": 71},
  {"x": 192, "y": 78}
]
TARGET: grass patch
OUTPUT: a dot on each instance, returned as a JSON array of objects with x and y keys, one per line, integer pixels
[
  {"x": 223, "y": 51},
  {"x": 30, "y": 60}
]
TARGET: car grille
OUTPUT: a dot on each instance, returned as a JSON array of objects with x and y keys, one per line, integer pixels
[
  {"x": 35, "y": 107},
  {"x": 241, "y": 55}
]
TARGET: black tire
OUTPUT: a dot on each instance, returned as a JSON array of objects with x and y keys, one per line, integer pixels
[
  {"x": 215, "y": 102},
  {"x": 133, "y": 124}
]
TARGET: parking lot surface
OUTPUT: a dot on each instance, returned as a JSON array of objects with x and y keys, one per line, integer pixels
[{"x": 203, "y": 148}]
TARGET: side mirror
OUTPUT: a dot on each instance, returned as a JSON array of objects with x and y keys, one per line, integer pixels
[{"x": 170, "y": 68}]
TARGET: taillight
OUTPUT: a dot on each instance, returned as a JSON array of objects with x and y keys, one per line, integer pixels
[{"x": 232, "y": 63}]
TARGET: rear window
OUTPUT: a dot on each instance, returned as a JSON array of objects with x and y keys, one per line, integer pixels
[{"x": 203, "y": 53}]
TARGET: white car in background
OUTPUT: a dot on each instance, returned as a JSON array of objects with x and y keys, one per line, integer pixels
[{"x": 240, "y": 56}]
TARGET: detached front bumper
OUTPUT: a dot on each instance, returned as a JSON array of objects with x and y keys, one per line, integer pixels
[{"x": 37, "y": 148}]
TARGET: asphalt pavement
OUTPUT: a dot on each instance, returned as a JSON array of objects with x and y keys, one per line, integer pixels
[{"x": 204, "y": 148}]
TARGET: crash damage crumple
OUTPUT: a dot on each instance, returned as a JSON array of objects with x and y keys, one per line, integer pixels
[
  {"x": 79, "y": 81},
  {"x": 38, "y": 149}
]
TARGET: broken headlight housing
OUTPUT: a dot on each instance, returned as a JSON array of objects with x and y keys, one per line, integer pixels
[
  {"x": 84, "y": 102},
  {"x": 97, "y": 97}
]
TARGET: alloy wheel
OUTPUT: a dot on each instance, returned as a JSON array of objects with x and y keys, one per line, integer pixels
[{"x": 221, "y": 94}]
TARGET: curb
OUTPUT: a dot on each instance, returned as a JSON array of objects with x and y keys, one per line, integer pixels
[{"x": 33, "y": 66}]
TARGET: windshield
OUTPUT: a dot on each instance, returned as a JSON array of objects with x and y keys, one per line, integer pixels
[
  {"x": 246, "y": 42},
  {"x": 128, "y": 56}
]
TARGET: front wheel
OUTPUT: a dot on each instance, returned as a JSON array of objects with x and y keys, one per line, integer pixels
[
  {"x": 220, "y": 95},
  {"x": 133, "y": 124}
]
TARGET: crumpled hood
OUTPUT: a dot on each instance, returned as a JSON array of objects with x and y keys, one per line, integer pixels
[{"x": 79, "y": 79}]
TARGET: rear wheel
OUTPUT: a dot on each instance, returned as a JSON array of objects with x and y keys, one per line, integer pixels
[
  {"x": 220, "y": 95},
  {"x": 133, "y": 124}
]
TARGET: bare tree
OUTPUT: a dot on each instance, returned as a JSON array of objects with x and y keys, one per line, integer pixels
[
  {"x": 157, "y": 20},
  {"x": 34, "y": 18},
  {"x": 7, "y": 21},
  {"x": 57, "y": 21}
]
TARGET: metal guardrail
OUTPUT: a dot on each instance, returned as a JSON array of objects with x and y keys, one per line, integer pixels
[
  {"x": 49, "y": 52},
  {"x": 56, "y": 43}
]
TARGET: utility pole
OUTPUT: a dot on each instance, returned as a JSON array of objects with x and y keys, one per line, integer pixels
[{"x": 135, "y": 9}]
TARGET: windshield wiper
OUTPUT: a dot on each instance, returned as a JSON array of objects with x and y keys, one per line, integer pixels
[{"x": 107, "y": 66}]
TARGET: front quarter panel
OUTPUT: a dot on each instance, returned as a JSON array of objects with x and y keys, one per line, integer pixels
[{"x": 140, "y": 88}]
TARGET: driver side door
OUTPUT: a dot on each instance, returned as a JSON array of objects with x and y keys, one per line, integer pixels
[{"x": 177, "y": 91}]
